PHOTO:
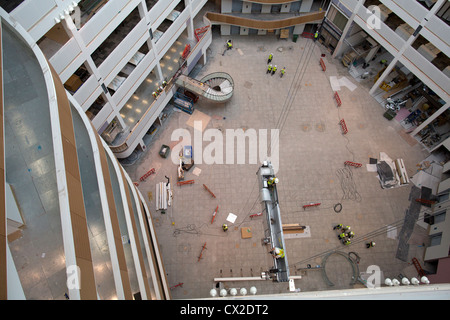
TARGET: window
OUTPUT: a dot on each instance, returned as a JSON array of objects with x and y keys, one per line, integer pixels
[{"x": 337, "y": 18}]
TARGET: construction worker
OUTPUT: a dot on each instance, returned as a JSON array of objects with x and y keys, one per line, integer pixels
[
  {"x": 274, "y": 69},
  {"x": 224, "y": 227},
  {"x": 154, "y": 94},
  {"x": 229, "y": 45},
  {"x": 384, "y": 61},
  {"x": 269, "y": 69},
  {"x": 371, "y": 244},
  {"x": 164, "y": 83},
  {"x": 351, "y": 234},
  {"x": 346, "y": 228},
  {"x": 270, "y": 58},
  {"x": 282, "y": 72},
  {"x": 272, "y": 181},
  {"x": 342, "y": 236},
  {"x": 277, "y": 253},
  {"x": 316, "y": 35},
  {"x": 346, "y": 242},
  {"x": 338, "y": 227}
]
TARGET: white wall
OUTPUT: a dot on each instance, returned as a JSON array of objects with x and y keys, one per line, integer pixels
[{"x": 226, "y": 6}]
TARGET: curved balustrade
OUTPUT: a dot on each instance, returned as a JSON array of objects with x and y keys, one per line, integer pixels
[
  {"x": 220, "y": 18},
  {"x": 217, "y": 86}
]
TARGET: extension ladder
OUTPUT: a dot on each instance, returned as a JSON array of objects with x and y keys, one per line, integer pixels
[
  {"x": 418, "y": 267},
  {"x": 186, "y": 51},
  {"x": 199, "y": 32},
  {"x": 147, "y": 174}
]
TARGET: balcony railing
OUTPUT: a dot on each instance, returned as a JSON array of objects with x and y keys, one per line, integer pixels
[{"x": 137, "y": 129}]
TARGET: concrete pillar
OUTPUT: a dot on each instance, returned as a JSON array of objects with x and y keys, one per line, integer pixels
[
  {"x": 225, "y": 29},
  {"x": 372, "y": 53},
  {"x": 190, "y": 21},
  {"x": 285, "y": 7},
  {"x": 266, "y": 8},
  {"x": 407, "y": 44},
  {"x": 298, "y": 29},
  {"x": 244, "y": 31},
  {"x": 347, "y": 28},
  {"x": 190, "y": 28},
  {"x": 226, "y": 6},
  {"x": 306, "y": 5},
  {"x": 246, "y": 7}
]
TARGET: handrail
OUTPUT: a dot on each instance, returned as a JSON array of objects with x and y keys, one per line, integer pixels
[
  {"x": 265, "y": 24},
  {"x": 205, "y": 89}
]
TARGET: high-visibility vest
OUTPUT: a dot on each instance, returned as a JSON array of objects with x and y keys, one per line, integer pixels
[
  {"x": 316, "y": 34},
  {"x": 279, "y": 252},
  {"x": 229, "y": 45},
  {"x": 269, "y": 68},
  {"x": 283, "y": 71},
  {"x": 274, "y": 69},
  {"x": 270, "y": 56}
]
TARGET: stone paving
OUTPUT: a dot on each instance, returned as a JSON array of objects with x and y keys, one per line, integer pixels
[{"x": 312, "y": 149}]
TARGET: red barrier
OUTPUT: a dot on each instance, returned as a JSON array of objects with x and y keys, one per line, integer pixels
[
  {"x": 353, "y": 164},
  {"x": 180, "y": 183},
  {"x": 214, "y": 214},
  {"x": 343, "y": 126},
  {"x": 338, "y": 99},
  {"x": 256, "y": 215},
  {"x": 311, "y": 205},
  {"x": 209, "y": 191},
  {"x": 323, "y": 65}
]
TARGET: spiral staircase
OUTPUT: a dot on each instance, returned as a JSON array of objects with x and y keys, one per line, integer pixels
[{"x": 217, "y": 86}]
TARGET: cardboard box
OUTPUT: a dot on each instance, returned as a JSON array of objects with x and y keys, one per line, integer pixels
[{"x": 246, "y": 233}]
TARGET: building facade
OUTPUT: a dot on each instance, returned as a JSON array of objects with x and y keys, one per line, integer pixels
[
  {"x": 74, "y": 226},
  {"x": 112, "y": 55},
  {"x": 411, "y": 39}
]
